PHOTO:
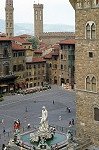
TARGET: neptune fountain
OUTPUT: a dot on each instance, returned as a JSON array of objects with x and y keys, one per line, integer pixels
[
  {"x": 44, "y": 137},
  {"x": 44, "y": 131}
]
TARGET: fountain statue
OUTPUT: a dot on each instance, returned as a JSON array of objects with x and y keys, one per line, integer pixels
[
  {"x": 44, "y": 122},
  {"x": 44, "y": 131}
]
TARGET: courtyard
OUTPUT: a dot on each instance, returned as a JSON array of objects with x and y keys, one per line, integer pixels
[{"x": 27, "y": 108}]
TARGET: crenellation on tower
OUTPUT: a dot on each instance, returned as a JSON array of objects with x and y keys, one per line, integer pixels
[{"x": 9, "y": 23}]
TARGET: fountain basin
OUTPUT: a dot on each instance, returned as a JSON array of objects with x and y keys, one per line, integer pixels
[{"x": 59, "y": 138}]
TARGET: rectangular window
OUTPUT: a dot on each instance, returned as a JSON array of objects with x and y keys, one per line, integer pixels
[
  {"x": 96, "y": 114},
  {"x": 91, "y": 54}
]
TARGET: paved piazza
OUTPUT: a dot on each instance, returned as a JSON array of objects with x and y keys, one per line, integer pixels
[{"x": 27, "y": 108}]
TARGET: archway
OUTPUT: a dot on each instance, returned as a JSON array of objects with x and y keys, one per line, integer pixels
[
  {"x": 62, "y": 81},
  {"x": 55, "y": 80}
]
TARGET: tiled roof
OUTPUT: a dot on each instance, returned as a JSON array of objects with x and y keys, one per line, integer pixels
[
  {"x": 68, "y": 41},
  {"x": 5, "y": 39},
  {"x": 38, "y": 52},
  {"x": 21, "y": 40},
  {"x": 55, "y": 46},
  {"x": 56, "y": 53},
  {"x": 53, "y": 53},
  {"x": 36, "y": 60},
  {"x": 48, "y": 56},
  {"x": 17, "y": 47}
]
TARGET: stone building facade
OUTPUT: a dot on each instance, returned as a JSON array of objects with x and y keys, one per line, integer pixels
[
  {"x": 9, "y": 21},
  {"x": 87, "y": 68},
  {"x": 61, "y": 63},
  {"x": 36, "y": 72},
  {"x": 7, "y": 78},
  {"x": 19, "y": 65}
]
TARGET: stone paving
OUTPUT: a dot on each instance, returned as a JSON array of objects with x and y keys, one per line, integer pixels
[{"x": 14, "y": 107}]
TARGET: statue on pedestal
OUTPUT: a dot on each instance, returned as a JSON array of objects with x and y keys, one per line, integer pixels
[
  {"x": 44, "y": 122},
  {"x": 44, "y": 115},
  {"x": 44, "y": 132}
]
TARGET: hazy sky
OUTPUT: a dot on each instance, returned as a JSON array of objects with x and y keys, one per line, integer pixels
[{"x": 55, "y": 11}]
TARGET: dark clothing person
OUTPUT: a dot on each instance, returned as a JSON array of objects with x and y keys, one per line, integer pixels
[
  {"x": 3, "y": 146},
  {"x": 73, "y": 122},
  {"x": 53, "y": 102}
]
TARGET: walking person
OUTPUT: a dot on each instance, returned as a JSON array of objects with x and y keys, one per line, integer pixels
[
  {"x": 4, "y": 147},
  {"x": 69, "y": 110},
  {"x": 26, "y": 110},
  {"x": 73, "y": 122},
  {"x": 53, "y": 102},
  {"x": 69, "y": 123},
  {"x": 60, "y": 118}
]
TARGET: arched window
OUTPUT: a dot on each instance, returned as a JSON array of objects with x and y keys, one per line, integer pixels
[
  {"x": 88, "y": 83},
  {"x": 79, "y": 4},
  {"x": 93, "y": 86},
  {"x": 96, "y": 114},
  {"x": 93, "y": 31},
  {"x": 88, "y": 31},
  {"x": 86, "y": 3}
]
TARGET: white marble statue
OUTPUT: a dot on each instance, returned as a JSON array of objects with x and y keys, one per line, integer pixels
[
  {"x": 44, "y": 115},
  {"x": 44, "y": 121}
]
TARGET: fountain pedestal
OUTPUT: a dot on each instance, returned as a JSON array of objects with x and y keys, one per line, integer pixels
[{"x": 44, "y": 131}]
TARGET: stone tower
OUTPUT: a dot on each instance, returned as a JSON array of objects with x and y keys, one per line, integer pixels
[
  {"x": 87, "y": 68},
  {"x": 38, "y": 19},
  {"x": 9, "y": 18}
]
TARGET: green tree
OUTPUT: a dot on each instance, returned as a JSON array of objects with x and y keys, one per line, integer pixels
[{"x": 35, "y": 42}]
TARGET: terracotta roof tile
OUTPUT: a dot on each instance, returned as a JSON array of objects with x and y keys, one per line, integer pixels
[
  {"x": 21, "y": 40},
  {"x": 38, "y": 52},
  {"x": 17, "y": 47},
  {"x": 48, "y": 56},
  {"x": 53, "y": 53},
  {"x": 5, "y": 39},
  {"x": 68, "y": 41}
]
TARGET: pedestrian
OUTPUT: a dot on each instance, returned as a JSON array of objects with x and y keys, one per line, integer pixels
[
  {"x": 69, "y": 123},
  {"x": 26, "y": 110},
  {"x": 3, "y": 147},
  {"x": 52, "y": 148},
  {"x": 4, "y": 131},
  {"x": 29, "y": 126},
  {"x": 56, "y": 147},
  {"x": 53, "y": 102},
  {"x": 60, "y": 118},
  {"x": 69, "y": 110},
  {"x": 73, "y": 122}
]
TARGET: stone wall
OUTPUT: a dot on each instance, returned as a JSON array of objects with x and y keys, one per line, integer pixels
[
  {"x": 85, "y": 66},
  {"x": 51, "y": 38}
]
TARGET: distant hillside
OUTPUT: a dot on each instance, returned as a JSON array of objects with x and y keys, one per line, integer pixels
[{"x": 28, "y": 28}]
